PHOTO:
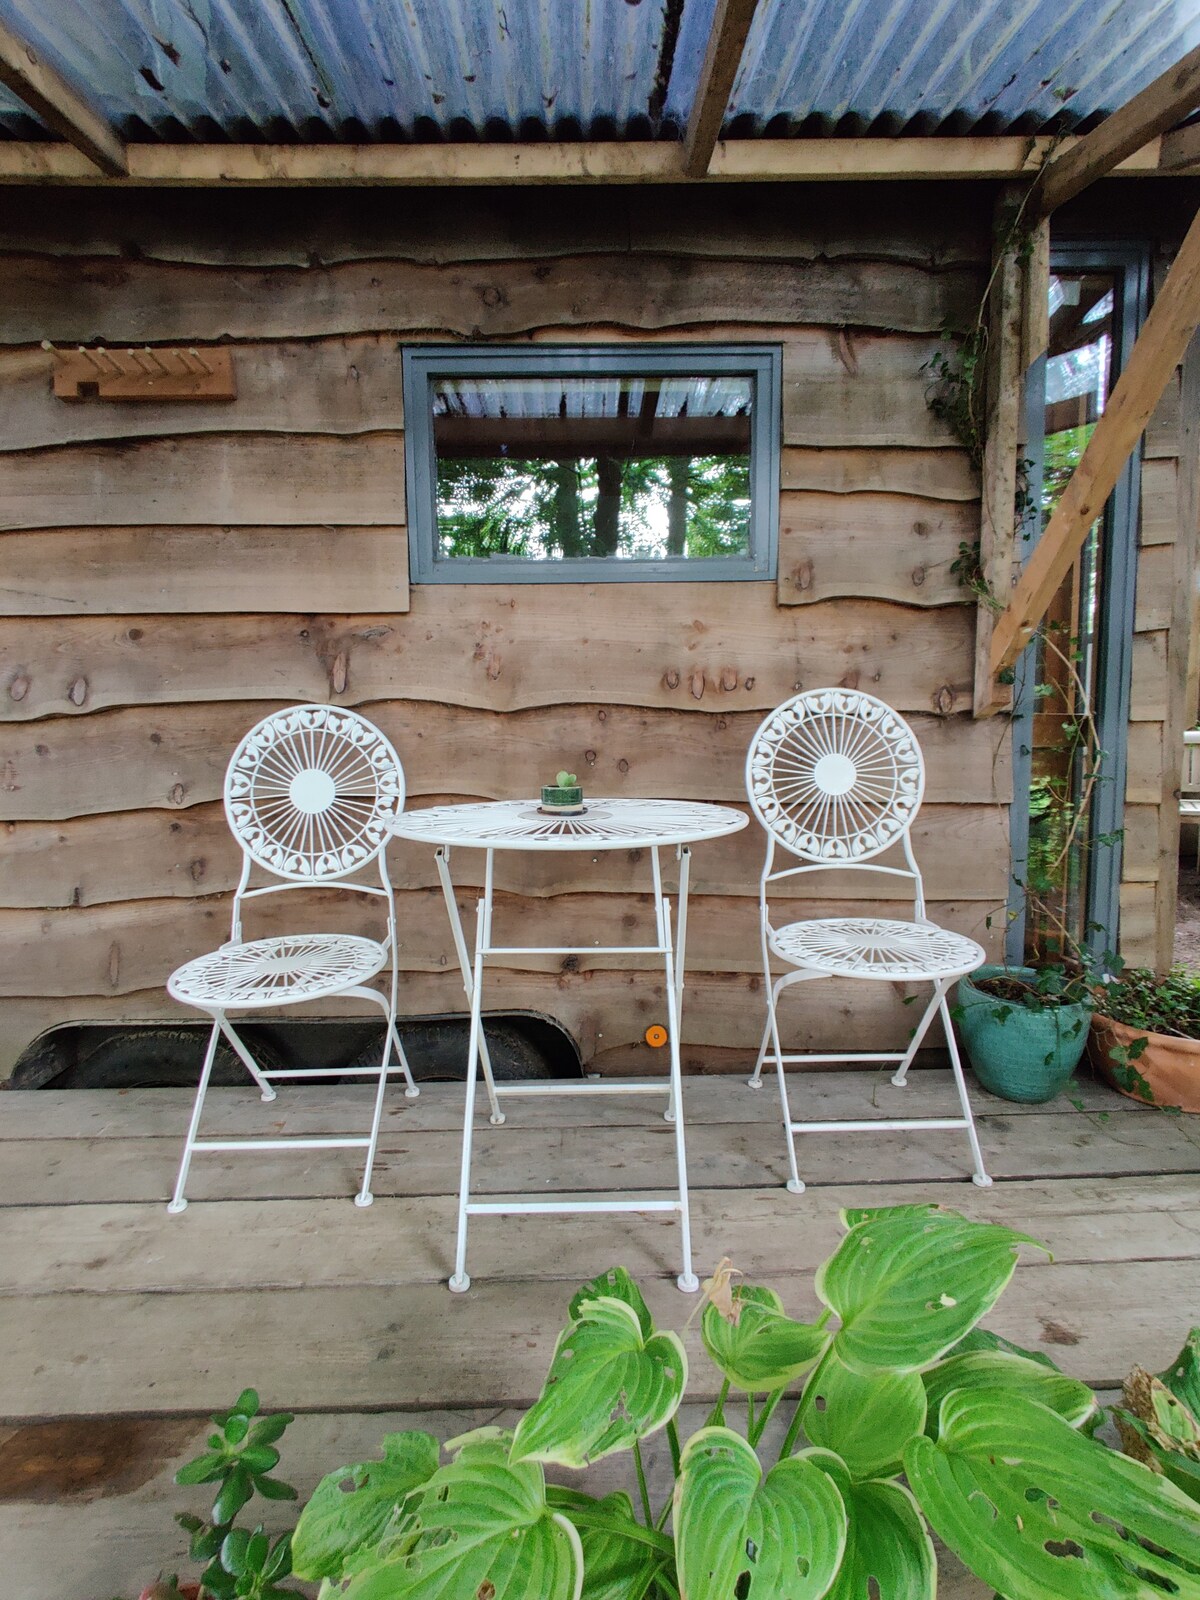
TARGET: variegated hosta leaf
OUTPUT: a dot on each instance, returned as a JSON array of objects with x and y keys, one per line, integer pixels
[
  {"x": 351, "y": 1509},
  {"x": 740, "y": 1536},
  {"x": 889, "y": 1554},
  {"x": 908, "y": 1285},
  {"x": 1036, "y": 1509},
  {"x": 1182, "y": 1377},
  {"x": 621, "y": 1558},
  {"x": 866, "y": 1421},
  {"x": 608, "y": 1386},
  {"x": 764, "y": 1349},
  {"x": 480, "y": 1526},
  {"x": 985, "y": 1339},
  {"x": 1073, "y": 1401},
  {"x": 615, "y": 1284}
]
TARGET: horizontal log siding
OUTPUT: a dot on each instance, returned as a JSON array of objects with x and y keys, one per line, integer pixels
[{"x": 173, "y": 572}]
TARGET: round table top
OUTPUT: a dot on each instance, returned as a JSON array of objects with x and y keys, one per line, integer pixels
[{"x": 603, "y": 825}]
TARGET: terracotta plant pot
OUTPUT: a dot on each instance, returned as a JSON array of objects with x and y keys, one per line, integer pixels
[{"x": 1167, "y": 1073}]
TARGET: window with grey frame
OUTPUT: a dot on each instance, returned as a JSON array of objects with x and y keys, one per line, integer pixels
[{"x": 584, "y": 464}]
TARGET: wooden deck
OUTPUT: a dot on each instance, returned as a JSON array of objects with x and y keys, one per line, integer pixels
[{"x": 122, "y": 1326}]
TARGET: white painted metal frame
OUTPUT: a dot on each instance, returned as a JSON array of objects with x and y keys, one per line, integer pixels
[
  {"x": 311, "y": 794},
  {"x": 606, "y": 825},
  {"x": 1189, "y": 786},
  {"x": 836, "y": 778}
]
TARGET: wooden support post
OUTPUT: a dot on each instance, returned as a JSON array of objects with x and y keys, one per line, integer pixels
[
  {"x": 1154, "y": 357},
  {"x": 1162, "y": 104},
  {"x": 731, "y": 26},
  {"x": 1182, "y": 644},
  {"x": 47, "y": 94},
  {"x": 1035, "y": 296},
  {"x": 997, "y": 528}
]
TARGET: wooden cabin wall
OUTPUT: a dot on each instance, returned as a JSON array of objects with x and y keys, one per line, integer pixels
[{"x": 173, "y": 572}]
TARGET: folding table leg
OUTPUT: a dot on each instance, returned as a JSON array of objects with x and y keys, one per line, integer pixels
[
  {"x": 177, "y": 1202},
  {"x": 442, "y": 858},
  {"x": 687, "y": 1279},
  {"x": 459, "y": 1281}
]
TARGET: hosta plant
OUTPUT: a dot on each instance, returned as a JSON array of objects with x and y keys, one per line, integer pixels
[
  {"x": 904, "y": 1417},
  {"x": 1160, "y": 1422}
]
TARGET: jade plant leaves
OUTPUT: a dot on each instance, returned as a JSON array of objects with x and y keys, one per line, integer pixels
[
  {"x": 608, "y": 1386},
  {"x": 992, "y": 1369},
  {"x": 909, "y": 1284},
  {"x": 889, "y": 1554},
  {"x": 621, "y": 1558},
  {"x": 867, "y": 1421},
  {"x": 479, "y": 1526},
  {"x": 1035, "y": 1508},
  {"x": 351, "y": 1509},
  {"x": 740, "y": 1536},
  {"x": 764, "y": 1349}
]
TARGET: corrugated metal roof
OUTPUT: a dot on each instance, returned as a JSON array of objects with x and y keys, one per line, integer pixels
[{"x": 361, "y": 70}]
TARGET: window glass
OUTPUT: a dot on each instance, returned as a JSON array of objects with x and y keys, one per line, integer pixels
[{"x": 573, "y": 475}]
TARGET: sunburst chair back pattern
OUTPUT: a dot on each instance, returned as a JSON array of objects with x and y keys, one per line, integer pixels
[
  {"x": 311, "y": 793},
  {"x": 834, "y": 775}
]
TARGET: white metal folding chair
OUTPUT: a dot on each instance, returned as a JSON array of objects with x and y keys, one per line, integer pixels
[
  {"x": 836, "y": 778},
  {"x": 310, "y": 795},
  {"x": 1189, "y": 786}
]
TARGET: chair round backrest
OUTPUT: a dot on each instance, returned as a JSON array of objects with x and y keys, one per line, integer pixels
[
  {"x": 835, "y": 775},
  {"x": 311, "y": 792}
]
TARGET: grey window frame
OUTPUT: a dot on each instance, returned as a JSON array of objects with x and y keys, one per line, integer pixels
[{"x": 761, "y": 362}]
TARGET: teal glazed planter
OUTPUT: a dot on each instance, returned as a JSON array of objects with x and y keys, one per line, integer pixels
[{"x": 1019, "y": 1054}]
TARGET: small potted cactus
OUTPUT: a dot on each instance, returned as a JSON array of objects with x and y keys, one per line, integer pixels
[{"x": 564, "y": 796}]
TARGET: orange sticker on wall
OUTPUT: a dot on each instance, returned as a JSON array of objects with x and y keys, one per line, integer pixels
[{"x": 656, "y": 1036}]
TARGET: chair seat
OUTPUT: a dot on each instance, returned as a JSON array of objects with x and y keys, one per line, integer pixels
[
  {"x": 277, "y": 972},
  {"x": 870, "y": 947}
]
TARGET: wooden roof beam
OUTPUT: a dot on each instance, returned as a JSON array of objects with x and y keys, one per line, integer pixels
[
  {"x": 1163, "y": 103},
  {"x": 726, "y": 42},
  {"x": 1157, "y": 351},
  {"x": 649, "y": 161},
  {"x": 47, "y": 94}
]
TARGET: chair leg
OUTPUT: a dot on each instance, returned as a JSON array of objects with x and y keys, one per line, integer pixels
[
  {"x": 754, "y": 1081},
  {"x": 248, "y": 1061},
  {"x": 411, "y": 1091},
  {"x": 980, "y": 1175},
  {"x": 940, "y": 990},
  {"x": 177, "y": 1202},
  {"x": 795, "y": 1183}
]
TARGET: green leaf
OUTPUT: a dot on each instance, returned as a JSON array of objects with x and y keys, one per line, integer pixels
[
  {"x": 236, "y": 1428},
  {"x": 351, "y": 1508},
  {"x": 479, "y": 1527},
  {"x": 866, "y": 1421},
  {"x": 204, "y": 1469},
  {"x": 1073, "y": 1401},
  {"x": 1035, "y": 1508},
  {"x": 232, "y": 1496},
  {"x": 234, "y": 1550},
  {"x": 608, "y": 1385},
  {"x": 246, "y": 1404},
  {"x": 279, "y": 1562},
  {"x": 621, "y": 1559},
  {"x": 985, "y": 1339},
  {"x": 257, "y": 1550},
  {"x": 740, "y": 1536},
  {"x": 258, "y": 1458},
  {"x": 889, "y": 1554},
  {"x": 615, "y": 1284},
  {"x": 764, "y": 1349},
  {"x": 909, "y": 1283},
  {"x": 271, "y": 1428},
  {"x": 1182, "y": 1470},
  {"x": 1182, "y": 1377},
  {"x": 273, "y": 1488}
]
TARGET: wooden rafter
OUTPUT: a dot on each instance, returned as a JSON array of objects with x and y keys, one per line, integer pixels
[
  {"x": 45, "y": 92},
  {"x": 1159, "y": 106},
  {"x": 730, "y": 30},
  {"x": 734, "y": 161},
  {"x": 1156, "y": 353}
]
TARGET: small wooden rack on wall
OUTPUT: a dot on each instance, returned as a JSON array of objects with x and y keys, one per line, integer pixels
[{"x": 146, "y": 374}]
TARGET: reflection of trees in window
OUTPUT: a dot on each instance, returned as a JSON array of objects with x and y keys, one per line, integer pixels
[{"x": 633, "y": 508}]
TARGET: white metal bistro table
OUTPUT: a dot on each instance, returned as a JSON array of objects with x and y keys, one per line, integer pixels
[{"x": 651, "y": 825}]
